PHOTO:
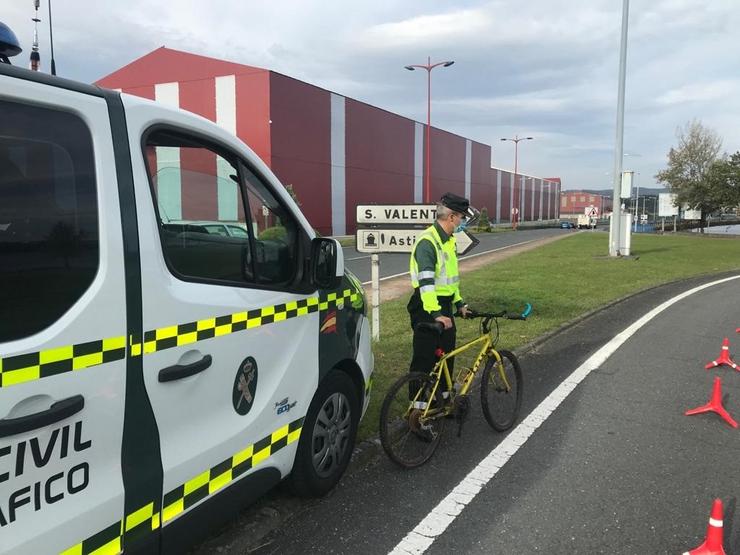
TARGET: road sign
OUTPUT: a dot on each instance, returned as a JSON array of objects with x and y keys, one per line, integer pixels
[
  {"x": 666, "y": 205},
  {"x": 515, "y": 211},
  {"x": 407, "y": 214},
  {"x": 386, "y": 240},
  {"x": 402, "y": 240},
  {"x": 689, "y": 214},
  {"x": 591, "y": 211},
  {"x": 465, "y": 242}
]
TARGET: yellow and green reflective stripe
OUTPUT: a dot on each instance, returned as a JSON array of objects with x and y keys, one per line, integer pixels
[
  {"x": 210, "y": 481},
  {"x": 27, "y": 367}
]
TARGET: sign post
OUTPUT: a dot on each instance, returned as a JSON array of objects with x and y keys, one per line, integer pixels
[
  {"x": 395, "y": 228},
  {"x": 375, "y": 298}
]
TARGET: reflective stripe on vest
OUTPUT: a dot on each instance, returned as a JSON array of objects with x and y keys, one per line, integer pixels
[{"x": 446, "y": 276}]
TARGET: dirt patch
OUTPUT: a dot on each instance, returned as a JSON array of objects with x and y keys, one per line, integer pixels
[{"x": 401, "y": 286}]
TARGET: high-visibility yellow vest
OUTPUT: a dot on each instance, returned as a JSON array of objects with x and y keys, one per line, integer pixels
[{"x": 445, "y": 280}]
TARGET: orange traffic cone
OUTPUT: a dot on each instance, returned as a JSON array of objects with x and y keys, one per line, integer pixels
[
  {"x": 724, "y": 357},
  {"x": 715, "y": 404},
  {"x": 713, "y": 544}
]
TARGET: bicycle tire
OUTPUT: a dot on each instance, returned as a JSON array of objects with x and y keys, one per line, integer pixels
[
  {"x": 500, "y": 403},
  {"x": 404, "y": 445}
]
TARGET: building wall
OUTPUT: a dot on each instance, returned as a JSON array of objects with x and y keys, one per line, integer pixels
[
  {"x": 301, "y": 145},
  {"x": 483, "y": 180},
  {"x": 336, "y": 152},
  {"x": 379, "y": 158},
  {"x": 448, "y": 164}
]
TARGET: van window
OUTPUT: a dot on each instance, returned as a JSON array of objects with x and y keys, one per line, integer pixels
[
  {"x": 275, "y": 233},
  {"x": 218, "y": 221},
  {"x": 48, "y": 216}
]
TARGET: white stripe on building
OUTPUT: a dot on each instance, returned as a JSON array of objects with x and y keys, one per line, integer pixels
[
  {"x": 338, "y": 169},
  {"x": 169, "y": 177},
  {"x": 498, "y": 196},
  {"x": 228, "y": 193}
]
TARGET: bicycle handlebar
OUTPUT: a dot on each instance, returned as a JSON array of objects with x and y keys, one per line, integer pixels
[{"x": 439, "y": 327}]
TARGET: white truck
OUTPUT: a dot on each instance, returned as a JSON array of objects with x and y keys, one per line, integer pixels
[
  {"x": 155, "y": 374},
  {"x": 585, "y": 221}
]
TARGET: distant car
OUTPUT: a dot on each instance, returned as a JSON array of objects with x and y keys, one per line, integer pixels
[
  {"x": 567, "y": 225},
  {"x": 225, "y": 229}
]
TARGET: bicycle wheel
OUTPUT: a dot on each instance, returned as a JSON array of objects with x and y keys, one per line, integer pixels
[
  {"x": 408, "y": 437},
  {"x": 501, "y": 391}
]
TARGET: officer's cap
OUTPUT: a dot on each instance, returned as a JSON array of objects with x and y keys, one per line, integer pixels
[{"x": 455, "y": 202}]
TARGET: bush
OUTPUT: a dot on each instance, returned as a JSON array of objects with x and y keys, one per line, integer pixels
[
  {"x": 274, "y": 233},
  {"x": 483, "y": 223}
]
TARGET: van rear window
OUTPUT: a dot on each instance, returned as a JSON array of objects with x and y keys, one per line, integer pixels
[{"x": 48, "y": 216}]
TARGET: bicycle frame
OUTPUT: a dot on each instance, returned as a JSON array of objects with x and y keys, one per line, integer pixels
[{"x": 441, "y": 370}]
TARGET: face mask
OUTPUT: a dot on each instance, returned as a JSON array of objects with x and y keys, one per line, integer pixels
[{"x": 461, "y": 226}]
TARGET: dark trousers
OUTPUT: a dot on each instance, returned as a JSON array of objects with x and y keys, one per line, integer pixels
[{"x": 426, "y": 342}]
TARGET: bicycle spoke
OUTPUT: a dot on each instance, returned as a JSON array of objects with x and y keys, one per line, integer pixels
[{"x": 406, "y": 434}]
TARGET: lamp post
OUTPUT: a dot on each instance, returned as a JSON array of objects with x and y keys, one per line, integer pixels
[
  {"x": 429, "y": 66},
  {"x": 515, "y": 140}
]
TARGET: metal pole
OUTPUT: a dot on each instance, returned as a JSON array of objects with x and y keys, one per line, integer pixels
[
  {"x": 375, "y": 299},
  {"x": 51, "y": 44},
  {"x": 515, "y": 216},
  {"x": 615, "y": 236},
  {"x": 429, "y": 125}
]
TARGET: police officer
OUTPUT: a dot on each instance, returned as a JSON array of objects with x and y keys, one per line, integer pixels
[{"x": 436, "y": 281}]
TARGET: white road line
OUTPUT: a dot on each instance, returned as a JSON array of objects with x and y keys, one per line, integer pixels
[
  {"x": 436, "y": 522},
  {"x": 463, "y": 258}
]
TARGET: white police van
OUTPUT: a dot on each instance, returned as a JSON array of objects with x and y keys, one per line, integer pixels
[{"x": 153, "y": 376}]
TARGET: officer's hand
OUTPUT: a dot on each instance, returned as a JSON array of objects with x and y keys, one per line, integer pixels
[
  {"x": 465, "y": 311},
  {"x": 445, "y": 321}
]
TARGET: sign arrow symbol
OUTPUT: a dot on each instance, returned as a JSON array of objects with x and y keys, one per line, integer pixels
[{"x": 465, "y": 242}]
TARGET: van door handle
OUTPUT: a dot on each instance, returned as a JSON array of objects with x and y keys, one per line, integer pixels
[
  {"x": 180, "y": 371},
  {"x": 58, "y": 411}
]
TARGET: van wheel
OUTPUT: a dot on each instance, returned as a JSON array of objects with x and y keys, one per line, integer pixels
[{"x": 327, "y": 438}]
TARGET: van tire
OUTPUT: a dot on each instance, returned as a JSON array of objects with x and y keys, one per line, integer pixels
[{"x": 327, "y": 438}]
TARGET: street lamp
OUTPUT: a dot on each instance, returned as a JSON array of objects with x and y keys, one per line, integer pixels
[
  {"x": 515, "y": 140},
  {"x": 429, "y": 66}
]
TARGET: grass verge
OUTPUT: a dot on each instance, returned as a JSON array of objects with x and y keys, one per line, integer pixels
[{"x": 562, "y": 280}]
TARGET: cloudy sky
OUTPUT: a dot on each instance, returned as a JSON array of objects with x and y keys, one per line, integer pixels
[{"x": 541, "y": 68}]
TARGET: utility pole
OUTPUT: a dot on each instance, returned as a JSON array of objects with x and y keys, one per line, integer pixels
[{"x": 615, "y": 233}]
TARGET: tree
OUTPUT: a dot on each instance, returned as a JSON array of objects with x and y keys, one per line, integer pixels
[
  {"x": 292, "y": 193},
  {"x": 483, "y": 223},
  {"x": 688, "y": 166},
  {"x": 724, "y": 181}
]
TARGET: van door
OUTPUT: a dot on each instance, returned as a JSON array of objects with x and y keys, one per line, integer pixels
[
  {"x": 229, "y": 348},
  {"x": 62, "y": 323}
]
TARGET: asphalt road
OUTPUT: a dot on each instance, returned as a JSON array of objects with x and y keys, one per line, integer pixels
[
  {"x": 393, "y": 264},
  {"x": 616, "y": 468}
]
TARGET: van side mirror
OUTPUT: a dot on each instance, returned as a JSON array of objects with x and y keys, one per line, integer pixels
[{"x": 327, "y": 263}]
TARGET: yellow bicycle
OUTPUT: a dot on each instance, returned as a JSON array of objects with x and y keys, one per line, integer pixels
[{"x": 415, "y": 408}]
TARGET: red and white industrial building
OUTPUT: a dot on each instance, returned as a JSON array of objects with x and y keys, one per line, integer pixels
[
  {"x": 575, "y": 203},
  {"x": 335, "y": 151}
]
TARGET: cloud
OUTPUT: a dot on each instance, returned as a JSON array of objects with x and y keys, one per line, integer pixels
[
  {"x": 545, "y": 68},
  {"x": 701, "y": 92}
]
